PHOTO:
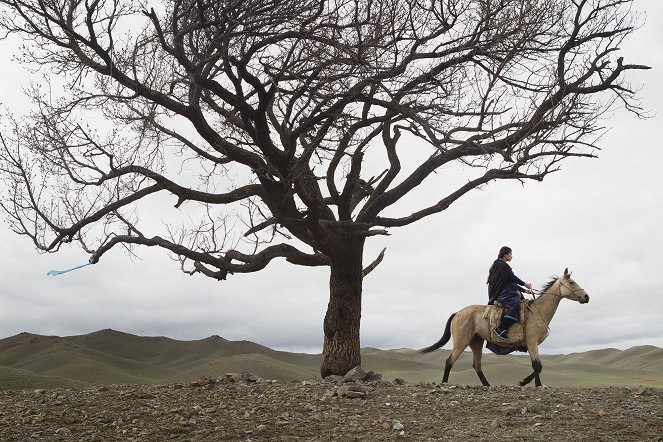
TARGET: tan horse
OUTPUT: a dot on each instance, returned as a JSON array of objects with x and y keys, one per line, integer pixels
[{"x": 469, "y": 327}]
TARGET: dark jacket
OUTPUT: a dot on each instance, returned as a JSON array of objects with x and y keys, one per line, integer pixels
[{"x": 502, "y": 280}]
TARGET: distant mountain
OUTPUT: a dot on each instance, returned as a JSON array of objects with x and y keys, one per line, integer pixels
[{"x": 112, "y": 357}]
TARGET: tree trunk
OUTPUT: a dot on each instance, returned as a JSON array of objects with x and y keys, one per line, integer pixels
[{"x": 340, "y": 352}]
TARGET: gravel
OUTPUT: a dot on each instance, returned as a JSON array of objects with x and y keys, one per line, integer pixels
[{"x": 250, "y": 409}]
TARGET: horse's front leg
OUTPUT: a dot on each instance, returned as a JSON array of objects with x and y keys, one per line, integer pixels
[{"x": 536, "y": 366}]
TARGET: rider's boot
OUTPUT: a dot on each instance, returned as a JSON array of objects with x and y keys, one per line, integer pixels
[{"x": 501, "y": 330}]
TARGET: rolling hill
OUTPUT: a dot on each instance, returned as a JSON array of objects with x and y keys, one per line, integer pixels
[{"x": 113, "y": 357}]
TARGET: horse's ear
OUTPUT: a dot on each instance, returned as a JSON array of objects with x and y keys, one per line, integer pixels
[{"x": 567, "y": 275}]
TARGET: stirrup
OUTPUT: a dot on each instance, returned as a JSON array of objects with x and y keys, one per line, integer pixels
[{"x": 501, "y": 334}]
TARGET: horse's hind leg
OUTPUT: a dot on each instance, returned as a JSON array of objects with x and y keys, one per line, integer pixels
[
  {"x": 462, "y": 337},
  {"x": 451, "y": 360},
  {"x": 448, "y": 364},
  {"x": 477, "y": 345}
]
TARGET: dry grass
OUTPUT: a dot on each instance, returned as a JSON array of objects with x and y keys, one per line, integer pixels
[{"x": 110, "y": 357}]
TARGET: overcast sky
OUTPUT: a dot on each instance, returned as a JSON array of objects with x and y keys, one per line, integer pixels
[{"x": 601, "y": 218}]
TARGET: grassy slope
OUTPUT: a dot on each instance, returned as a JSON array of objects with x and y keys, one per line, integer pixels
[
  {"x": 17, "y": 379},
  {"x": 110, "y": 357}
]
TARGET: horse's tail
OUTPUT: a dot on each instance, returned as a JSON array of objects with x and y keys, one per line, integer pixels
[{"x": 443, "y": 340}]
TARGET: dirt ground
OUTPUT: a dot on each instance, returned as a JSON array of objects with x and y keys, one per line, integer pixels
[{"x": 220, "y": 410}]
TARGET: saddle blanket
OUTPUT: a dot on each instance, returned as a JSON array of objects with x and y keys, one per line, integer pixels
[{"x": 493, "y": 313}]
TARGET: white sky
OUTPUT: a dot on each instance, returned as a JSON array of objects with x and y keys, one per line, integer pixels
[{"x": 601, "y": 218}]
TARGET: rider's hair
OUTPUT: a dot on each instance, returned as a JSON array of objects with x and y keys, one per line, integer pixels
[{"x": 504, "y": 251}]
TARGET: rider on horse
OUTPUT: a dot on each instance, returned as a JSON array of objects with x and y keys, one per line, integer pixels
[{"x": 505, "y": 287}]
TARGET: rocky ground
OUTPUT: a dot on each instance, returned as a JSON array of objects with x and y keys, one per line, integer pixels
[{"x": 244, "y": 408}]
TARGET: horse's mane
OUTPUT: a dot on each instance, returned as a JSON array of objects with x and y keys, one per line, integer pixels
[{"x": 549, "y": 285}]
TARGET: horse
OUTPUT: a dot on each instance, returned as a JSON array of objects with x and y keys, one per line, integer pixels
[{"x": 470, "y": 327}]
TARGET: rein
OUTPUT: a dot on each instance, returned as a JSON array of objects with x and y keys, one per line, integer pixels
[
  {"x": 559, "y": 289},
  {"x": 549, "y": 292},
  {"x": 540, "y": 320},
  {"x": 547, "y": 325}
]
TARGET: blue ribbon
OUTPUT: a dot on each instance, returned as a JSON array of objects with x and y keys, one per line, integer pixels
[{"x": 60, "y": 272}]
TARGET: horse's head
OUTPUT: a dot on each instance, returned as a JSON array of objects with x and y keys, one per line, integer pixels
[{"x": 570, "y": 289}]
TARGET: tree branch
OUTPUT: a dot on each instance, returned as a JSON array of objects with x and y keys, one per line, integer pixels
[{"x": 374, "y": 264}]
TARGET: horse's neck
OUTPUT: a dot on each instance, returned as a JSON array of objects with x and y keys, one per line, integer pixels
[{"x": 546, "y": 305}]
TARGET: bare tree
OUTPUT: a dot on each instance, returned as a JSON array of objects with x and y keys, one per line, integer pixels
[{"x": 280, "y": 125}]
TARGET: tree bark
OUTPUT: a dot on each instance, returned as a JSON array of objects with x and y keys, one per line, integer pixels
[{"x": 341, "y": 347}]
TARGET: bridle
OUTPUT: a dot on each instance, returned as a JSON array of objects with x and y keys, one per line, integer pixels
[
  {"x": 559, "y": 294},
  {"x": 573, "y": 291},
  {"x": 559, "y": 291}
]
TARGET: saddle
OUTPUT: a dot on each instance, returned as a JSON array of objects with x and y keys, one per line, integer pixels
[{"x": 493, "y": 313}]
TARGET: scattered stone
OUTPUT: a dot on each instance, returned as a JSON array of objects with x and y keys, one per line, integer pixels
[
  {"x": 352, "y": 391},
  {"x": 371, "y": 376},
  {"x": 333, "y": 379},
  {"x": 304, "y": 411},
  {"x": 232, "y": 377},
  {"x": 259, "y": 389},
  {"x": 535, "y": 408},
  {"x": 328, "y": 394},
  {"x": 203, "y": 382},
  {"x": 641, "y": 391},
  {"x": 397, "y": 426},
  {"x": 356, "y": 374},
  {"x": 249, "y": 377}
]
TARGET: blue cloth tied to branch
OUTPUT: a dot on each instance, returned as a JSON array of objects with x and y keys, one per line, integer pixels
[{"x": 60, "y": 272}]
